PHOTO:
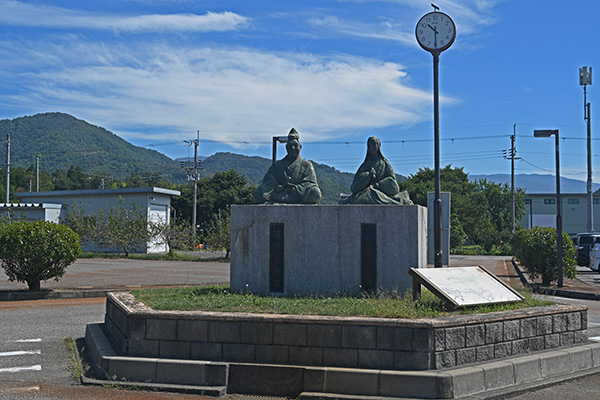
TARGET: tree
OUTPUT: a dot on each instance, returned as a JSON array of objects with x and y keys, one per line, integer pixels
[
  {"x": 32, "y": 252},
  {"x": 480, "y": 210},
  {"x": 122, "y": 225},
  {"x": 82, "y": 223},
  {"x": 172, "y": 235},
  {"x": 536, "y": 250},
  {"x": 216, "y": 194},
  {"x": 218, "y": 236}
]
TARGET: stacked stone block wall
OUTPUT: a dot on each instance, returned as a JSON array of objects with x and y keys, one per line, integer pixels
[{"x": 370, "y": 343}]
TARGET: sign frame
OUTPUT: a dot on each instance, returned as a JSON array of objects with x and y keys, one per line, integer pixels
[{"x": 451, "y": 302}]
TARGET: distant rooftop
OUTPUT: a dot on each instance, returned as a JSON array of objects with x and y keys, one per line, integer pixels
[{"x": 99, "y": 192}]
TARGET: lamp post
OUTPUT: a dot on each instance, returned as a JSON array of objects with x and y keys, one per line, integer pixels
[
  {"x": 559, "y": 264},
  {"x": 585, "y": 78}
]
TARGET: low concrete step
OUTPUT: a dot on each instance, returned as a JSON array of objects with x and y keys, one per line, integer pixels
[{"x": 214, "y": 391}]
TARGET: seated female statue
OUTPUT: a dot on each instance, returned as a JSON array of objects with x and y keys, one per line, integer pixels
[{"x": 375, "y": 181}]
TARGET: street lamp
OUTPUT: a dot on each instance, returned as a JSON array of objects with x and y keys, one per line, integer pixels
[
  {"x": 585, "y": 78},
  {"x": 559, "y": 264}
]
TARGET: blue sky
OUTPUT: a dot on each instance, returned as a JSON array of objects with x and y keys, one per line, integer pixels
[{"x": 154, "y": 72}]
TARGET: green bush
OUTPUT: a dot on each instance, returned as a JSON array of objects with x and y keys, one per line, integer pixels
[
  {"x": 32, "y": 252},
  {"x": 536, "y": 250}
]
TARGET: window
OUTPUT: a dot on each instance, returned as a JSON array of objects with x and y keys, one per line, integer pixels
[
  {"x": 528, "y": 201},
  {"x": 572, "y": 201},
  {"x": 549, "y": 201},
  {"x": 596, "y": 201}
]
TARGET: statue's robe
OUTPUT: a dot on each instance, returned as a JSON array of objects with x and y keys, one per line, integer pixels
[
  {"x": 382, "y": 189},
  {"x": 289, "y": 181}
]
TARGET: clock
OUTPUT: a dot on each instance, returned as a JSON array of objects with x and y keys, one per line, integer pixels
[{"x": 435, "y": 32}]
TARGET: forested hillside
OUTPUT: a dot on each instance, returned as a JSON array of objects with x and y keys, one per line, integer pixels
[
  {"x": 63, "y": 141},
  {"x": 331, "y": 181}
]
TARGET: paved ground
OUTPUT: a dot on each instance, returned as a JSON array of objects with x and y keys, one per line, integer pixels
[
  {"x": 106, "y": 274},
  {"x": 86, "y": 274}
]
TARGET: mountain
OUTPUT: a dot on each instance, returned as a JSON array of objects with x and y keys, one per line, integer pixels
[
  {"x": 331, "y": 181},
  {"x": 535, "y": 183},
  {"x": 62, "y": 140}
]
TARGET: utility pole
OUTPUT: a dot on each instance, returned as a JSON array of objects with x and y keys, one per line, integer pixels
[
  {"x": 585, "y": 78},
  {"x": 37, "y": 173},
  {"x": 194, "y": 177},
  {"x": 7, "y": 167},
  {"x": 512, "y": 156}
]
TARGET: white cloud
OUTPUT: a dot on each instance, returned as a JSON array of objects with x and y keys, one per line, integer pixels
[
  {"x": 385, "y": 29},
  {"x": 470, "y": 16},
  {"x": 230, "y": 94},
  {"x": 16, "y": 13}
]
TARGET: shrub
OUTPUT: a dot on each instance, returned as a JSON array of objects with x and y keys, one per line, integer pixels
[
  {"x": 536, "y": 250},
  {"x": 32, "y": 252}
]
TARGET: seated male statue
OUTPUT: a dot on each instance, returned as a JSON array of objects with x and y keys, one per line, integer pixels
[
  {"x": 291, "y": 180},
  {"x": 375, "y": 181}
]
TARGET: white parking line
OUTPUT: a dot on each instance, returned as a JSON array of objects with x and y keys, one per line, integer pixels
[
  {"x": 19, "y": 353},
  {"x": 19, "y": 369},
  {"x": 595, "y": 338},
  {"x": 27, "y": 340}
]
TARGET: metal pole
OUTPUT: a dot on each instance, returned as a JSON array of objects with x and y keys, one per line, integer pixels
[
  {"x": 437, "y": 209},
  {"x": 590, "y": 193},
  {"x": 559, "y": 249},
  {"x": 512, "y": 178},
  {"x": 7, "y": 167},
  {"x": 37, "y": 173},
  {"x": 195, "y": 182}
]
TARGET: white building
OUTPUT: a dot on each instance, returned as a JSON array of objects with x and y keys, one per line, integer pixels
[
  {"x": 53, "y": 206},
  {"x": 540, "y": 210}
]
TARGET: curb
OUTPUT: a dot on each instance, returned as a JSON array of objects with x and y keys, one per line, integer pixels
[
  {"x": 537, "y": 288},
  {"x": 23, "y": 295},
  {"x": 479, "y": 381}
]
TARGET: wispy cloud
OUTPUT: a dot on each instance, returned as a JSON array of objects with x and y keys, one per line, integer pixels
[
  {"x": 384, "y": 29},
  {"x": 470, "y": 17},
  {"x": 231, "y": 94},
  {"x": 16, "y": 13}
]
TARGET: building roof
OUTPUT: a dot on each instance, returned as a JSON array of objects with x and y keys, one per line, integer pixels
[
  {"x": 30, "y": 205},
  {"x": 98, "y": 192}
]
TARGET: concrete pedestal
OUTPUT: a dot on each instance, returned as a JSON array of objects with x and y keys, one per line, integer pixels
[{"x": 326, "y": 249}]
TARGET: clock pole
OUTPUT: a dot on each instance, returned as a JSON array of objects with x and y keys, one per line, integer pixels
[
  {"x": 437, "y": 207},
  {"x": 435, "y": 32}
]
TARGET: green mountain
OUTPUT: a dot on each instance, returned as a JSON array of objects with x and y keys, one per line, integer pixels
[
  {"x": 331, "y": 181},
  {"x": 62, "y": 141}
]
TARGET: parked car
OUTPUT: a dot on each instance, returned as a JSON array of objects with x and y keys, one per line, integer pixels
[{"x": 588, "y": 250}]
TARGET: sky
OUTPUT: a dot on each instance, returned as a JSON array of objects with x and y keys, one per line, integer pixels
[{"x": 236, "y": 73}]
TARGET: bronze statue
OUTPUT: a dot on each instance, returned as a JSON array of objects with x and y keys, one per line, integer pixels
[
  {"x": 375, "y": 181},
  {"x": 291, "y": 180}
]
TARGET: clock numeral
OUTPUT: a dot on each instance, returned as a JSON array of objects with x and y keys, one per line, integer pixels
[
  {"x": 442, "y": 42},
  {"x": 420, "y": 31}
]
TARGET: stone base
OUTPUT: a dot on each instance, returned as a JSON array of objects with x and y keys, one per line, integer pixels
[
  {"x": 312, "y": 357},
  {"x": 326, "y": 249}
]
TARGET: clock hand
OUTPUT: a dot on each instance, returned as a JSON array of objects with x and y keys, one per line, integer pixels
[{"x": 434, "y": 36}]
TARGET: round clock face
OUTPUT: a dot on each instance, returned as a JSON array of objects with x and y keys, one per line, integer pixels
[{"x": 435, "y": 31}]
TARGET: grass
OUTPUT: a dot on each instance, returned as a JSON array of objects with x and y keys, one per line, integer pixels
[
  {"x": 191, "y": 256},
  {"x": 75, "y": 367},
  {"x": 220, "y": 298}
]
